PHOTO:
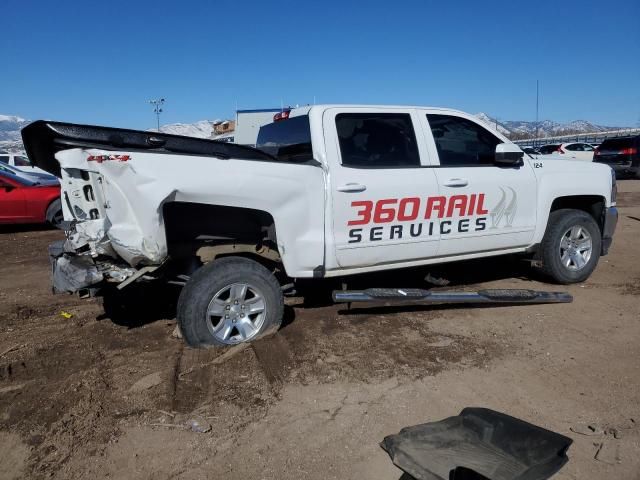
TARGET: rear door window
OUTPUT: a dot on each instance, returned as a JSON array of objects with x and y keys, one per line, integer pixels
[
  {"x": 287, "y": 140},
  {"x": 377, "y": 140},
  {"x": 4, "y": 158}
]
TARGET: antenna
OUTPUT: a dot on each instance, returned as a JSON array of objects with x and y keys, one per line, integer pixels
[{"x": 537, "y": 109}]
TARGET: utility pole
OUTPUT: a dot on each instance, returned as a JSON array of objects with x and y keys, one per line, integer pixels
[
  {"x": 537, "y": 110},
  {"x": 157, "y": 109}
]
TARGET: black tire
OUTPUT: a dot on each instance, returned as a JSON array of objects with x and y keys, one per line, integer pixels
[
  {"x": 550, "y": 253},
  {"x": 200, "y": 329},
  {"x": 54, "y": 213}
]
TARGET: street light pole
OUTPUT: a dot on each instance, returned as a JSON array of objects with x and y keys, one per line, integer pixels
[{"x": 157, "y": 109}]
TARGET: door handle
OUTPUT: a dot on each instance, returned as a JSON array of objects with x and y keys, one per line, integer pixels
[
  {"x": 352, "y": 187},
  {"x": 456, "y": 182}
]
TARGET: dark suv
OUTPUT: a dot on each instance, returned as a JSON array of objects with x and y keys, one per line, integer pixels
[{"x": 622, "y": 154}]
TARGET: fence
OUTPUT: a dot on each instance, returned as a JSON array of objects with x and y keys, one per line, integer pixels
[{"x": 593, "y": 137}]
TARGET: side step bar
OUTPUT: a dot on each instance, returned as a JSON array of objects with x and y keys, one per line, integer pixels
[{"x": 417, "y": 295}]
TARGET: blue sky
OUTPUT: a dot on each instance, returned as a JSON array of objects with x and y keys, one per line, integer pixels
[{"x": 99, "y": 62}]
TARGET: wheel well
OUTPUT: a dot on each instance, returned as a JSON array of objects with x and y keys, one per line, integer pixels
[
  {"x": 212, "y": 231},
  {"x": 592, "y": 204},
  {"x": 46, "y": 210}
]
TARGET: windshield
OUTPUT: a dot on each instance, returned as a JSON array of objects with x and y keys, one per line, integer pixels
[
  {"x": 9, "y": 169},
  {"x": 288, "y": 140},
  {"x": 5, "y": 174}
]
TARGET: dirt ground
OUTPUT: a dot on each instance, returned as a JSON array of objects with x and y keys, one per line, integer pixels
[{"x": 102, "y": 395}]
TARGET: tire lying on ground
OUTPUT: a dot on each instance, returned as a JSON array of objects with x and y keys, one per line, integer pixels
[
  {"x": 571, "y": 246},
  {"x": 230, "y": 301}
]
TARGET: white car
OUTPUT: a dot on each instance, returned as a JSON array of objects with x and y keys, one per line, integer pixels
[
  {"x": 20, "y": 162},
  {"x": 331, "y": 191},
  {"x": 578, "y": 151}
]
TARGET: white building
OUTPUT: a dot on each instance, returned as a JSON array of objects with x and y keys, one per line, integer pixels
[{"x": 248, "y": 123}]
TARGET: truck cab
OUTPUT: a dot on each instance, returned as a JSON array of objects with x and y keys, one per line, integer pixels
[{"x": 412, "y": 186}]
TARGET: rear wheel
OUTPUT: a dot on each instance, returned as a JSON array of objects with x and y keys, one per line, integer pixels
[
  {"x": 54, "y": 213},
  {"x": 230, "y": 301},
  {"x": 571, "y": 246}
]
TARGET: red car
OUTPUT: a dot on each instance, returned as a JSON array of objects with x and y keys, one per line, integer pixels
[{"x": 24, "y": 201}]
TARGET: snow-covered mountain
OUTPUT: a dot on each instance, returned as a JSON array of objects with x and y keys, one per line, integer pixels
[
  {"x": 546, "y": 128},
  {"x": 491, "y": 123},
  {"x": 201, "y": 129},
  {"x": 10, "y": 126}
]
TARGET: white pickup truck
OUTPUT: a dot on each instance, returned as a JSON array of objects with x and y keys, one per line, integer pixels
[{"x": 330, "y": 190}]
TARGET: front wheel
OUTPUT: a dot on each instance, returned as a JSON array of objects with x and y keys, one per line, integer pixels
[
  {"x": 571, "y": 246},
  {"x": 230, "y": 301}
]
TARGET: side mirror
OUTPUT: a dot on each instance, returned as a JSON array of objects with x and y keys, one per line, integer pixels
[{"x": 508, "y": 154}]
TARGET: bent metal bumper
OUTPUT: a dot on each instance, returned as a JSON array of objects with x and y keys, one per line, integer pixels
[
  {"x": 608, "y": 227},
  {"x": 73, "y": 272},
  {"x": 70, "y": 272}
]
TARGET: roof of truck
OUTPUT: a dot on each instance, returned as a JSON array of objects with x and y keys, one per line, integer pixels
[{"x": 304, "y": 110}]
